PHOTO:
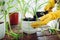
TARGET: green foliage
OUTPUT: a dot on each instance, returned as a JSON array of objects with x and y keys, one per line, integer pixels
[
  {"x": 11, "y": 33},
  {"x": 52, "y": 31},
  {"x": 23, "y": 8},
  {"x": 1, "y": 10},
  {"x": 7, "y": 24},
  {"x": 2, "y": 3}
]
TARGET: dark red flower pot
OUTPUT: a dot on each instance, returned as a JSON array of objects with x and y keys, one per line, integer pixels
[{"x": 14, "y": 18}]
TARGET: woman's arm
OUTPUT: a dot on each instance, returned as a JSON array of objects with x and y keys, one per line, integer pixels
[
  {"x": 50, "y": 5},
  {"x": 46, "y": 18}
]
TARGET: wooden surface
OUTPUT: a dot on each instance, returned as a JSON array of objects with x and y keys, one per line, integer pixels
[
  {"x": 42, "y": 36},
  {"x": 34, "y": 37}
]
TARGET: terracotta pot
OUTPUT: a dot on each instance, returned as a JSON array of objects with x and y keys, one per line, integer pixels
[{"x": 14, "y": 18}]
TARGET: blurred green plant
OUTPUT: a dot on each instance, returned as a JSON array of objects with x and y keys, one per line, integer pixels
[
  {"x": 6, "y": 15},
  {"x": 53, "y": 30},
  {"x": 11, "y": 33},
  {"x": 37, "y": 7},
  {"x": 23, "y": 8},
  {"x": 2, "y": 3},
  {"x": 1, "y": 7}
]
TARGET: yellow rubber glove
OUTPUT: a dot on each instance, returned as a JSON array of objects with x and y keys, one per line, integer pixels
[
  {"x": 46, "y": 18},
  {"x": 50, "y": 5}
]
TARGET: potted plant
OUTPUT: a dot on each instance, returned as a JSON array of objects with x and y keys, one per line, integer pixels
[
  {"x": 2, "y": 25},
  {"x": 25, "y": 22},
  {"x": 2, "y": 30},
  {"x": 7, "y": 23}
]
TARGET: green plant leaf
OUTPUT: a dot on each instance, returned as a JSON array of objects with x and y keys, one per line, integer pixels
[
  {"x": 10, "y": 7},
  {"x": 2, "y": 3},
  {"x": 36, "y": 1},
  {"x": 24, "y": 7},
  {"x": 10, "y": 1},
  {"x": 39, "y": 6},
  {"x": 1, "y": 17}
]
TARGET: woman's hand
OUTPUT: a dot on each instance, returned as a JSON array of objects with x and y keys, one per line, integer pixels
[{"x": 43, "y": 21}]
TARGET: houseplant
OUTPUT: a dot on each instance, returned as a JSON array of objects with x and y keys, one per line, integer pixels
[
  {"x": 2, "y": 30},
  {"x": 7, "y": 24},
  {"x": 55, "y": 27},
  {"x": 2, "y": 26},
  {"x": 24, "y": 8}
]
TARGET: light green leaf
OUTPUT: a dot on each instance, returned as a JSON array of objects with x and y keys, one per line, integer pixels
[{"x": 39, "y": 6}]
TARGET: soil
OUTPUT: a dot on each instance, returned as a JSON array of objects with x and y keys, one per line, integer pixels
[{"x": 25, "y": 37}]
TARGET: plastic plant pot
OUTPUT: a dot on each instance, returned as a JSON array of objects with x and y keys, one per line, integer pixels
[
  {"x": 2, "y": 30},
  {"x": 26, "y": 26},
  {"x": 13, "y": 18}
]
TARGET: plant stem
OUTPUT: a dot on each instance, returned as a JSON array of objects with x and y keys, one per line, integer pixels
[{"x": 9, "y": 20}]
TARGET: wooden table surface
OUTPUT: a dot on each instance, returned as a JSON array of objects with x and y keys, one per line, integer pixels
[{"x": 42, "y": 36}]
